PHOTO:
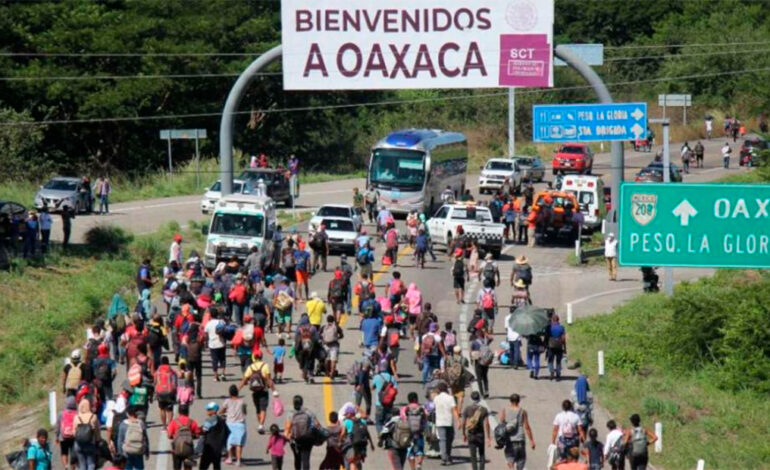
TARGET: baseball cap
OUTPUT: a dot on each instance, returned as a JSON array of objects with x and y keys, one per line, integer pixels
[{"x": 211, "y": 406}]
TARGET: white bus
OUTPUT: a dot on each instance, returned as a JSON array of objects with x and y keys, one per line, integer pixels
[{"x": 410, "y": 168}]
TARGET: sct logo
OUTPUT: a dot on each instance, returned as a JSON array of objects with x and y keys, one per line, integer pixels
[{"x": 643, "y": 207}]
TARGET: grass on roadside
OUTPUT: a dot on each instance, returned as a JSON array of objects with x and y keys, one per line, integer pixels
[{"x": 702, "y": 418}]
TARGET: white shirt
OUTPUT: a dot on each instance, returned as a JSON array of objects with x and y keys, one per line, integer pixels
[
  {"x": 611, "y": 248},
  {"x": 726, "y": 151},
  {"x": 567, "y": 420},
  {"x": 215, "y": 341},
  {"x": 510, "y": 334},
  {"x": 709, "y": 124},
  {"x": 45, "y": 221},
  {"x": 175, "y": 253},
  {"x": 445, "y": 403},
  {"x": 611, "y": 439}
]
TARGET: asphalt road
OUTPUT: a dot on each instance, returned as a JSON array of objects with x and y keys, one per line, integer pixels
[{"x": 555, "y": 284}]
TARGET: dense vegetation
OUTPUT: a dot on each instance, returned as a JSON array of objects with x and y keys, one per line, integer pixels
[
  {"x": 697, "y": 362},
  {"x": 32, "y": 87}
]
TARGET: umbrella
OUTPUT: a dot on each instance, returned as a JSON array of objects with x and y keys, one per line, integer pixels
[{"x": 529, "y": 320}]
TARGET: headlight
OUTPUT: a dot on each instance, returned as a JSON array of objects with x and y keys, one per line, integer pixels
[{"x": 210, "y": 248}]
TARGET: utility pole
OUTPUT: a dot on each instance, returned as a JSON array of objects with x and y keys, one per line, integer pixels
[{"x": 511, "y": 122}]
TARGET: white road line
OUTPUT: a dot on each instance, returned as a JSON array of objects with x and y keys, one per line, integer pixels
[
  {"x": 602, "y": 294},
  {"x": 156, "y": 206},
  {"x": 163, "y": 450}
]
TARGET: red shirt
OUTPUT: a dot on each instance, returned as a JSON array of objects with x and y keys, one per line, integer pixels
[
  {"x": 238, "y": 294},
  {"x": 173, "y": 426}
]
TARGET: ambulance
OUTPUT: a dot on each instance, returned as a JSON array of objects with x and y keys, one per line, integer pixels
[{"x": 589, "y": 192}]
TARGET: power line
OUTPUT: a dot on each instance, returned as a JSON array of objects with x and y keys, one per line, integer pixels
[
  {"x": 273, "y": 74},
  {"x": 375, "y": 103}
]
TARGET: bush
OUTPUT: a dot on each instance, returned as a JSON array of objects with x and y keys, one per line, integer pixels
[{"x": 108, "y": 239}]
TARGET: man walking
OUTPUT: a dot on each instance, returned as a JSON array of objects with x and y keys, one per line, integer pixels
[
  {"x": 726, "y": 151},
  {"x": 516, "y": 425},
  {"x": 611, "y": 255},
  {"x": 45, "y": 229},
  {"x": 103, "y": 190},
  {"x": 446, "y": 417},
  {"x": 475, "y": 427}
]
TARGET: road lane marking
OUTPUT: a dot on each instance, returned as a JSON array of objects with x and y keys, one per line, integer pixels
[
  {"x": 602, "y": 294},
  {"x": 163, "y": 449},
  {"x": 328, "y": 395}
]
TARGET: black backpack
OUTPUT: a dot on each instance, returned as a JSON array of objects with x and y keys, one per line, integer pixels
[
  {"x": 458, "y": 269},
  {"x": 360, "y": 434},
  {"x": 194, "y": 351}
]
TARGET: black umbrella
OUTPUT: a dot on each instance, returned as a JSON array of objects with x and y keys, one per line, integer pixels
[{"x": 529, "y": 320}]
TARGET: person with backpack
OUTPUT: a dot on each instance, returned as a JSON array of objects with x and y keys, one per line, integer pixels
[
  {"x": 214, "y": 334},
  {"x": 214, "y": 433},
  {"x": 614, "y": 448},
  {"x": 73, "y": 373},
  {"x": 365, "y": 260},
  {"x": 234, "y": 409},
  {"x": 486, "y": 300},
  {"x": 592, "y": 451},
  {"x": 302, "y": 272},
  {"x": 87, "y": 436},
  {"x": 39, "y": 455},
  {"x": 424, "y": 320},
  {"x": 535, "y": 347},
  {"x": 144, "y": 278},
  {"x": 385, "y": 389},
  {"x": 446, "y": 417},
  {"x": 298, "y": 429},
  {"x": 238, "y": 297},
  {"x": 319, "y": 243},
  {"x": 157, "y": 338},
  {"x": 194, "y": 356},
  {"x": 371, "y": 326},
  {"x": 283, "y": 303},
  {"x": 637, "y": 439},
  {"x": 334, "y": 458},
  {"x": 460, "y": 275},
  {"x": 413, "y": 298},
  {"x": 431, "y": 352},
  {"x": 420, "y": 247},
  {"x": 182, "y": 432},
  {"x": 489, "y": 273},
  {"x": 557, "y": 347},
  {"x": 331, "y": 334},
  {"x": 522, "y": 270},
  {"x": 567, "y": 432},
  {"x": 166, "y": 382},
  {"x": 391, "y": 244},
  {"x": 257, "y": 377},
  {"x": 456, "y": 375},
  {"x": 414, "y": 416},
  {"x": 355, "y": 436},
  {"x": 306, "y": 342},
  {"x": 475, "y": 427},
  {"x": 65, "y": 430},
  {"x": 515, "y": 420},
  {"x": 483, "y": 357},
  {"x": 337, "y": 293}
]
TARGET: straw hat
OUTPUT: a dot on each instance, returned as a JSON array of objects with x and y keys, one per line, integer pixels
[
  {"x": 522, "y": 260},
  {"x": 519, "y": 283}
]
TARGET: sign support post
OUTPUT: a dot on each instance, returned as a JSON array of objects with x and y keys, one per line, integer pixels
[
  {"x": 511, "y": 122},
  {"x": 668, "y": 273},
  {"x": 197, "y": 160},
  {"x": 170, "y": 166}
]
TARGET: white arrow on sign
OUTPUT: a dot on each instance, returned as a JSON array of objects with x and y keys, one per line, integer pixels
[
  {"x": 637, "y": 130},
  {"x": 637, "y": 114},
  {"x": 684, "y": 211}
]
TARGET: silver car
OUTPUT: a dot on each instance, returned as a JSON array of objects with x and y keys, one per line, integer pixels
[
  {"x": 532, "y": 168},
  {"x": 61, "y": 191}
]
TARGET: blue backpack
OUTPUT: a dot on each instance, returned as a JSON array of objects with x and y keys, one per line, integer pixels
[
  {"x": 363, "y": 256},
  {"x": 421, "y": 242}
]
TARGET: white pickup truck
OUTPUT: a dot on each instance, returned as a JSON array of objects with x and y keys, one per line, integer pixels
[{"x": 476, "y": 222}]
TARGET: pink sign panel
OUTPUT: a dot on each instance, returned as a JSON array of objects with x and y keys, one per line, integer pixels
[{"x": 525, "y": 60}]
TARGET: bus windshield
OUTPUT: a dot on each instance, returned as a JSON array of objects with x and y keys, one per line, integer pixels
[
  {"x": 238, "y": 225},
  {"x": 404, "y": 169}
]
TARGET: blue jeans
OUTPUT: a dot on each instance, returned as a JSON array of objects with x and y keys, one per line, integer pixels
[
  {"x": 554, "y": 361},
  {"x": 238, "y": 311},
  {"x": 104, "y": 204},
  {"x": 533, "y": 360},
  {"x": 429, "y": 364},
  {"x": 514, "y": 352}
]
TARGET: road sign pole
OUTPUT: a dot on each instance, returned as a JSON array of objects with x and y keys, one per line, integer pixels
[
  {"x": 664, "y": 106},
  {"x": 197, "y": 162},
  {"x": 170, "y": 166},
  {"x": 511, "y": 122},
  {"x": 684, "y": 115},
  {"x": 668, "y": 273}
]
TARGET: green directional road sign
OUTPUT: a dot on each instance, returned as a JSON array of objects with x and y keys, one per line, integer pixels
[{"x": 694, "y": 225}]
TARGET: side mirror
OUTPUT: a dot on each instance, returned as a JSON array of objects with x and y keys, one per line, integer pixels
[
  {"x": 205, "y": 230},
  {"x": 312, "y": 214}
]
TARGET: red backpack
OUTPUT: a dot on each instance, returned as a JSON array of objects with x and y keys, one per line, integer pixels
[
  {"x": 391, "y": 238},
  {"x": 166, "y": 384},
  {"x": 396, "y": 287},
  {"x": 487, "y": 300},
  {"x": 388, "y": 394},
  {"x": 67, "y": 425}
]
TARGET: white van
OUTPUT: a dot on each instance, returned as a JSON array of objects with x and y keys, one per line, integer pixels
[{"x": 589, "y": 191}]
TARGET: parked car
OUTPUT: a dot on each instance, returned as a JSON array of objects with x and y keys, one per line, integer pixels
[
  {"x": 750, "y": 149},
  {"x": 344, "y": 211},
  {"x": 342, "y": 234},
  {"x": 653, "y": 173},
  {"x": 532, "y": 168},
  {"x": 496, "y": 171},
  {"x": 276, "y": 181},
  {"x": 59, "y": 191},
  {"x": 573, "y": 158},
  {"x": 214, "y": 193}
]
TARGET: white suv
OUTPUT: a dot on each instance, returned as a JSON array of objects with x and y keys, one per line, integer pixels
[{"x": 496, "y": 171}]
